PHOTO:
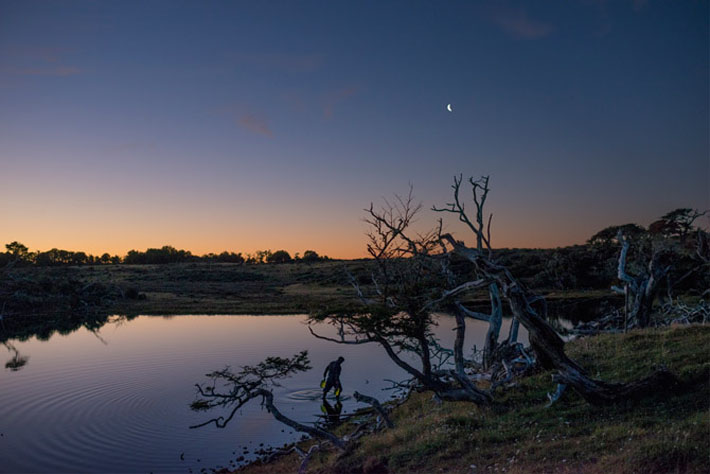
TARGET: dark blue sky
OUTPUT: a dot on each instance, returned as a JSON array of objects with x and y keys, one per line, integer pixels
[{"x": 245, "y": 125}]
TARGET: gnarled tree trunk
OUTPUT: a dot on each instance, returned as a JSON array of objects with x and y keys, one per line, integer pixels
[
  {"x": 643, "y": 287},
  {"x": 549, "y": 347}
]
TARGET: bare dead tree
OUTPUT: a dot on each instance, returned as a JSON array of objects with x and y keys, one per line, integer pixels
[
  {"x": 481, "y": 228},
  {"x": 547, "y": 344},
  {"x": 410, "y": 283},
  {"x": 549, "y": 347},
  {"x": 236, "y": 389},
  {"x": 643, "y": 287}
]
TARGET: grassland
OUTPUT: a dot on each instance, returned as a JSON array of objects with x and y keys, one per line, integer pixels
[
  {"x": 214, "y": 288},
  {"x": 662, "y": 434},
  {"x": 226, "y": 288}
]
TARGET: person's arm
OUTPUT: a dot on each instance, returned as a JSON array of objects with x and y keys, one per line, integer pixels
[{"x": 327, "y": 368}]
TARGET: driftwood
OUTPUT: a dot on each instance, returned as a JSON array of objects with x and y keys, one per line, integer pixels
[{"x": 376, "y": 405}]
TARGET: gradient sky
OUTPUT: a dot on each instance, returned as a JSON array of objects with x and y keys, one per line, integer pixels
[{"x": 239, "y": 126}]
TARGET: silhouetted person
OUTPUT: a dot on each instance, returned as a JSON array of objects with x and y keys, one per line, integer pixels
[{"x": 332, "y": 377}]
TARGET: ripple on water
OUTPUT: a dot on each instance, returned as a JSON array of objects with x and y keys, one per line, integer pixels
[
  {"x": 311, "y": 395},
  {"x": 81, "y": 406}
]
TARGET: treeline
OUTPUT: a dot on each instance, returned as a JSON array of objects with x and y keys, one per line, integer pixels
[
  {"x": 673, "y": 240},
  {"x": 18, "y": 254},
  {"x": 594, "y": 265}
]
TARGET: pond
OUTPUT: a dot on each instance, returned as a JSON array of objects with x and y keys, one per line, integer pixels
[{"x": 118, "y": 400}]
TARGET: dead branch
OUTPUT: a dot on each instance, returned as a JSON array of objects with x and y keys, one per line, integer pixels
[{"x": 376, "y": 405}]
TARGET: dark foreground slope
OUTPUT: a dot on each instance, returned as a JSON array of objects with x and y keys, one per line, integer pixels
[{"x": 662, "y": 434}]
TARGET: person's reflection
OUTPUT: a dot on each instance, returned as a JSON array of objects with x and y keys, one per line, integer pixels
[{"x": 331, "y": 413}]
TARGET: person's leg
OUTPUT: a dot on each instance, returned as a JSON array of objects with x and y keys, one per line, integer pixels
[{"x": 328, "y": 385}]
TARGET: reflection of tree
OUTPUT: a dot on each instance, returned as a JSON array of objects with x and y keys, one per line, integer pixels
[
  {"x": 17, "y": 361},
  {"x": 236, "y": 389},
  {"x": 230, "y": 390}
]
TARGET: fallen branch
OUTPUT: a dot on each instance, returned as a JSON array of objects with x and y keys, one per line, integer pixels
[{"x": 376, "y": 405}]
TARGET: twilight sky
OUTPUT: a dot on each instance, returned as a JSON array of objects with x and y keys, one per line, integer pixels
[{"x": 211, "y": 125}]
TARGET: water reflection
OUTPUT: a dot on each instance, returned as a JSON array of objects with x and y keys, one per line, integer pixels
[
  {"x": 17, "y": 361},
  {"x": 84, "y": 403}
]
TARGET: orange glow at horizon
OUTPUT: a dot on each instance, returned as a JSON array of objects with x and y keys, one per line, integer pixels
[{"x": 346, "y": 240}]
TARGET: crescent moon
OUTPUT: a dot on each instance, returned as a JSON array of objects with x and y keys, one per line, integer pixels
[{"x": 449, "y": 108}]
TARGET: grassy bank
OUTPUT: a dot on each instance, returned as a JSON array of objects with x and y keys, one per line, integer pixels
[{"x": 662, "y": 434}]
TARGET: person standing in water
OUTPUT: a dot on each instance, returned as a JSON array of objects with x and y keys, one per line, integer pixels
[{"x": 331, "y": 377}]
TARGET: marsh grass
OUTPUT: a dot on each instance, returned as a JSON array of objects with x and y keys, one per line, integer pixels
[
  {"x": 229, "y": 288},
  {"x": 219, "y": 288}
]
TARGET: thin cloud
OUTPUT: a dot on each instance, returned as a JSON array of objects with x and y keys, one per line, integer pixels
[
  {"x": 38, "y": 61},
  {"x": 281, "y": 62},
  {"x": 255, "y": 124},
  {"x": 335, "y": 98},
  {"x": 517, "y": 23},
  {"x": 244, "y": 117}
]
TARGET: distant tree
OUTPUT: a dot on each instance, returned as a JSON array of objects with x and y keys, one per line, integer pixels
[
  {"x": 115, "y": 259},
  {"x": 163, "y": 255},
  {"x": 280, "y": 256},
  {"x": 261, "y": 256},
  {"x": 44, "y": 259},
  {"x": 79, "y": 258},
  {"x": 230, "y": 257},
  {"x": 17, "y": 250},
  {"x": 64, "y": 256},
  {"x": 677, "y": 223},
  {"x": 608, "y": 235},
  {"x": 310, "y": 256},
  {"x": 105, "y": 258},
  {"x": 134, "y": 257}
]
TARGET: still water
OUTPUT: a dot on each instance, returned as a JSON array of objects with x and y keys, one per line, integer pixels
[{"x": 117, "y": 401}]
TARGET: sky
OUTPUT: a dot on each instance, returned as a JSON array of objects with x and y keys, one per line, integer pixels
[{"x": 235, "y": 125}]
